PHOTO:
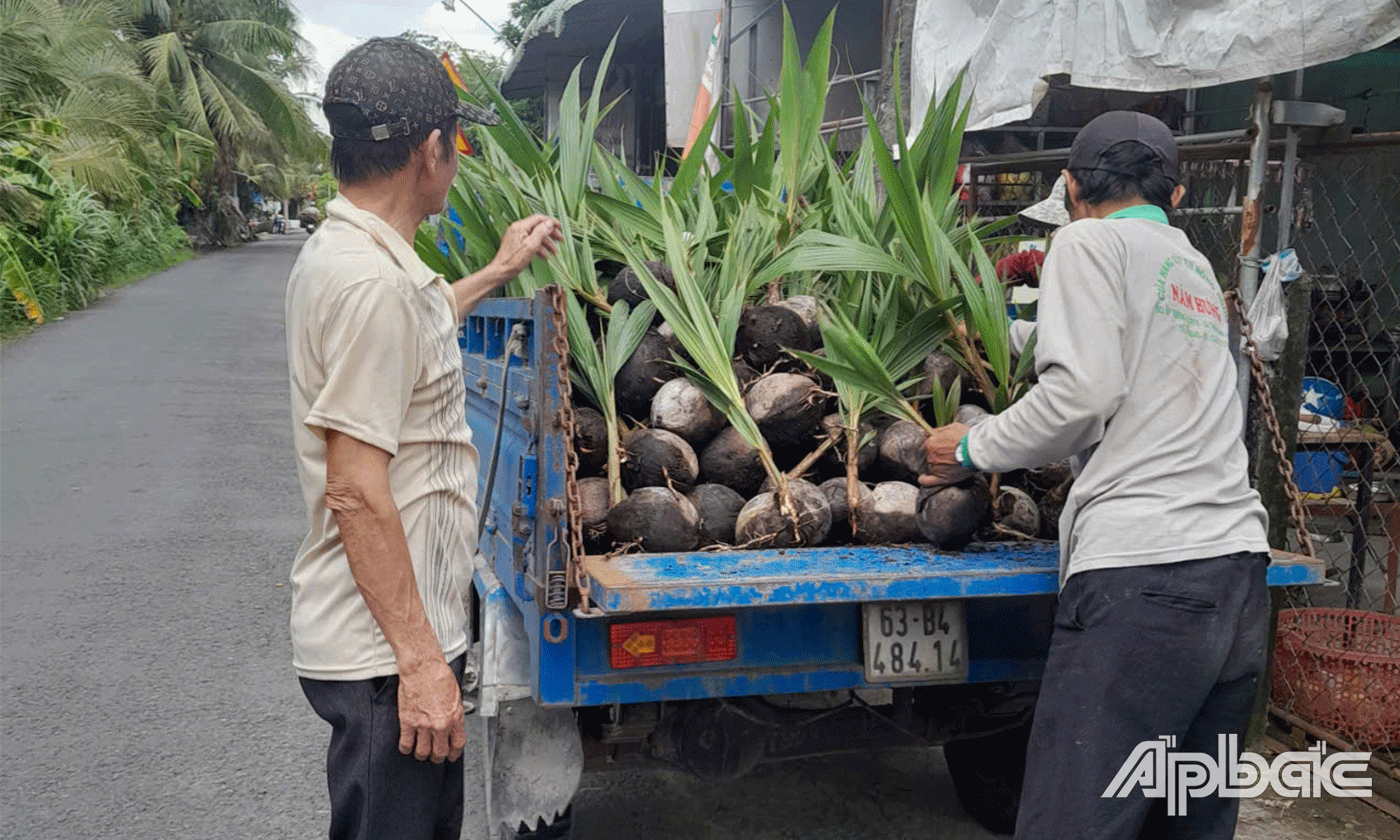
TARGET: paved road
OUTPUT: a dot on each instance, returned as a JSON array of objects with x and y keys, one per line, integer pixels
[
  {"x": 149, "y": 508},
  {"x": 149, "y": 511}
]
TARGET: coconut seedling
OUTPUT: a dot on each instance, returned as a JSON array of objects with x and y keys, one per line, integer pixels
[
  {"x": 704, "y": 312},
  {"x": 595, "y": 368},
  {"x": 872, "y": 374}
]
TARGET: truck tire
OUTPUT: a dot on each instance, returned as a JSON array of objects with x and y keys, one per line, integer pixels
[{"x": 987, "y": 774}]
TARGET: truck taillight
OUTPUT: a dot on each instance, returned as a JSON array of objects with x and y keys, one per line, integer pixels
[{"x": 640, "y": 644}]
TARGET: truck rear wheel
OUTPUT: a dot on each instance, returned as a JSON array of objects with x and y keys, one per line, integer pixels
[{"x": 987, "y": 774}]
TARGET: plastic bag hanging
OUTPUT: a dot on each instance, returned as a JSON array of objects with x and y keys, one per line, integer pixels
[{"x": 1268, "y": 312}]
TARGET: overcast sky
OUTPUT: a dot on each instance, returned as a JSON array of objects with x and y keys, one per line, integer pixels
[{"x": 333, "y": 27}]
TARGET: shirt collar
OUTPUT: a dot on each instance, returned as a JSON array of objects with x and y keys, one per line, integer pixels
[
  {"x": 385, "y": 236},
  {"x": 1150, "y": 212}
]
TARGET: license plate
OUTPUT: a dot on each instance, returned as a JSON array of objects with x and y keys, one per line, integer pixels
[{"x": 915, "y": 640}]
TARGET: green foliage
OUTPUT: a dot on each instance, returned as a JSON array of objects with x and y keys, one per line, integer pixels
[
  {"x": 62, "y": 257},
  {"x": 871, "y": 353},
  {"x": 512, "y": 32},
  {"x": 883, "y": 242}
]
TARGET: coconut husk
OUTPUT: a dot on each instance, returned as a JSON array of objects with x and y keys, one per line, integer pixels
[
  {"x": 836, "y": 497},
  {"x": 718, "y": 507},
  {"x": 809, "y": 309},
  {"x": 941, "y": 368},
  {"x": 766, "y": 333},
  {"x": 763, "y": 524},
  {"x": 950, "y": 517},
  {"x": 658, "y": 458},
  {"x": 625, "y": 285},
  {"x": 1015, "y": 510},
  {"x": 590, "y": 440},
  {"x": 658, "y": 519},
  {"x": 902, "y": 454},
  {"x": 787, "y": 407},
  {"x": 680, "y": 407},
  {"x": 642, "y": 375},
  {"x": 731, "y": 461},
  {"x": 970, "y": 415},
  {"x": 887, "y": 515}
]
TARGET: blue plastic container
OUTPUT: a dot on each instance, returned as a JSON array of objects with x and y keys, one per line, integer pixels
[{"x": 1318, "y": 472}]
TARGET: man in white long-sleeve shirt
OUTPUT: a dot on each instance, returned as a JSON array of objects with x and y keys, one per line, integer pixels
[{"x": 1162, "y": 619}]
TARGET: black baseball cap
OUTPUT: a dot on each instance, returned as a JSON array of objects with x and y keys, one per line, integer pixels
[
  {"x": 1108, "y": 130},
  {"x": 397, "y": 88}
]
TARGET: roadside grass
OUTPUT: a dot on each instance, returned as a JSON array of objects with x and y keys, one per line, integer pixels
[{"x": 121, "y": 277}]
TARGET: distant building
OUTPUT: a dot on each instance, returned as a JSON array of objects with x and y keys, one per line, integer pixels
[{"x": 661, "y": 51}]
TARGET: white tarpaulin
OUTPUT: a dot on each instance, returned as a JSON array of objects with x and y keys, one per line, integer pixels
[{"x": 1011, "y": 46}]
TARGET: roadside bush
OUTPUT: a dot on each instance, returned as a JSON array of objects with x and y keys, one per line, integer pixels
[{"x": 63, "y": 255}]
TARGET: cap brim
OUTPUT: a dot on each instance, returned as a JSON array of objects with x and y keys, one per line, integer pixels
[
  {"x": 473, "y": 114},
  {"x": 1050, "y": 212}
]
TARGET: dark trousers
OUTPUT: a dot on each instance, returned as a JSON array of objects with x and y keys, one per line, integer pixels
[
  {"x": 1139, "y": 653},
  {"x": 378, "y": 793}
]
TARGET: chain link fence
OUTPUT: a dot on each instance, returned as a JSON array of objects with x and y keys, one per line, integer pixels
[
  {"x": 1337, "y": 658},
  {"x": 1336, "y": 666}
]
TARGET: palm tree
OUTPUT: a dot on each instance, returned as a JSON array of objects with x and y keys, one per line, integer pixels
[
  {"x": 223, "y": 67},
  {"x": 73, "y": 94}
]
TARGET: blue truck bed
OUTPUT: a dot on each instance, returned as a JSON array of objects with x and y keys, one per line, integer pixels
[{"x": 798, "y": 611}]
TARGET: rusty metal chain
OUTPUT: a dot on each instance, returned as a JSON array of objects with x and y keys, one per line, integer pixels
[
  {"x": 1266, "y": 402},
  {"x": 573, "y": 549}
]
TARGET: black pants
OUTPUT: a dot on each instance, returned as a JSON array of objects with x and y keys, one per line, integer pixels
[
  {"x": 378, "y": 793},
  {"x": 1139, "y": 653}
]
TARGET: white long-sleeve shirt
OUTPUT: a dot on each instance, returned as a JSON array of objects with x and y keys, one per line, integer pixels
[{"x": 1137, "y": 387}]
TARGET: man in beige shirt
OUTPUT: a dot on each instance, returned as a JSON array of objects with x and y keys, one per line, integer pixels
[{"x": 386, "y": 460}]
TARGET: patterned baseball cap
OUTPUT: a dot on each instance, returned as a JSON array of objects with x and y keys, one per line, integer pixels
[{"x": 398, "y": 89}]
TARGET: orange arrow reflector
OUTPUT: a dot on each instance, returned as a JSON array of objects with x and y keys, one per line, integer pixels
[{"x": 640, "y": 643}]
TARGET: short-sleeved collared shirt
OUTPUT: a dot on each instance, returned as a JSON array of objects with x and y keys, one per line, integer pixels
[{"x": 372, "y": 352}]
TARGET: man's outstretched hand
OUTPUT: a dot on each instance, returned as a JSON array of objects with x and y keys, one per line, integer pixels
[
  {"x": 941, "y": 449},
  {"x": 431, "y": 723},
  {"x": 524, "y": 242}
]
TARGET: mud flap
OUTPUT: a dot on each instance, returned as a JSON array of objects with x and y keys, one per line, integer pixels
[
  {"x": 532, "y": 757},
  {"x": 533, "y": 764}
]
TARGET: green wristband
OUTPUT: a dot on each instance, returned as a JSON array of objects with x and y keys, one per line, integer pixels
[{"x": 963, "y": 455}]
